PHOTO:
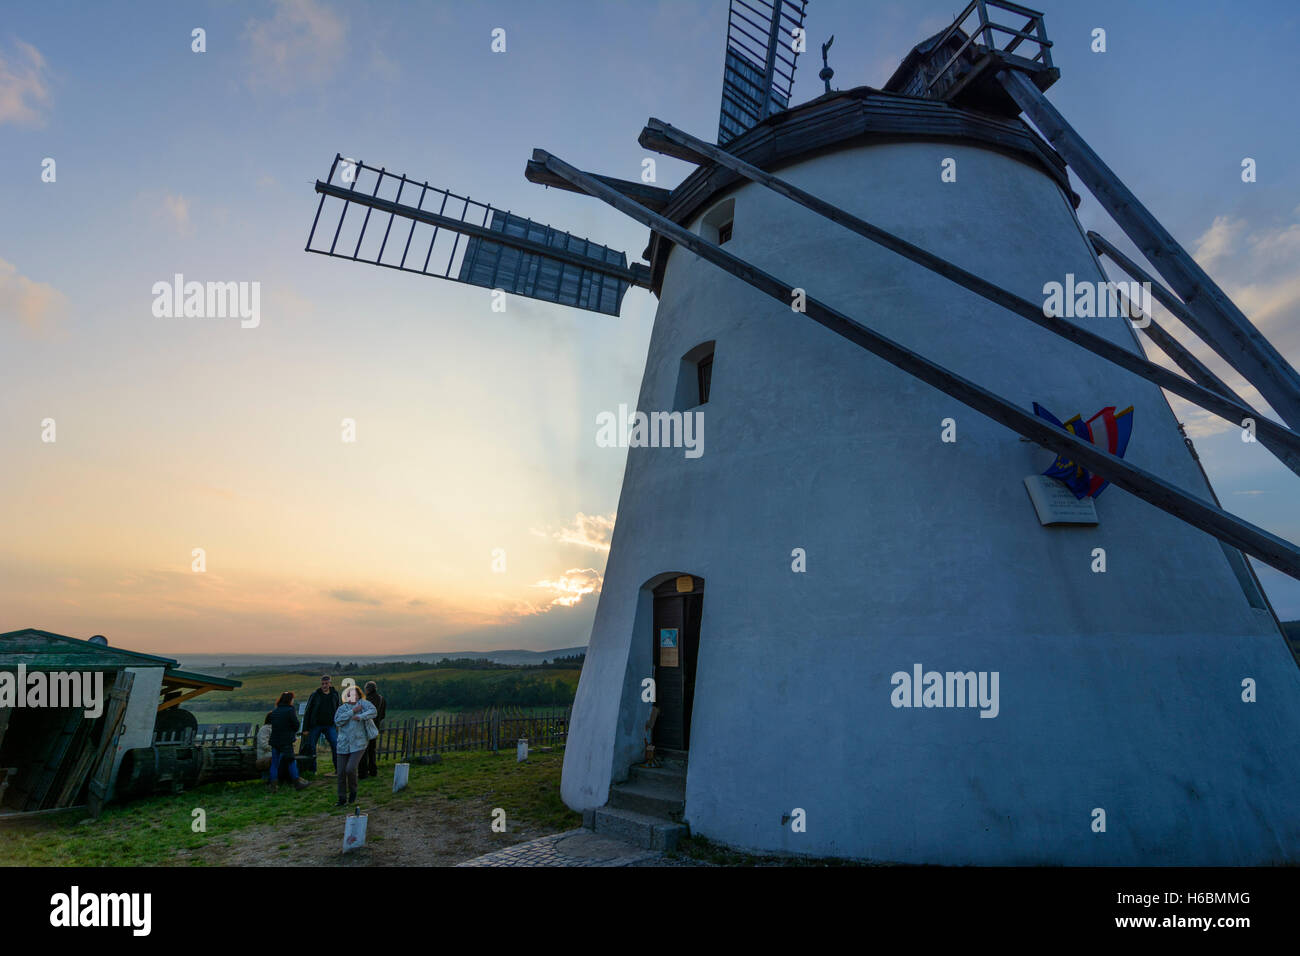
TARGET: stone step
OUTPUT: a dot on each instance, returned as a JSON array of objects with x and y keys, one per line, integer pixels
[
  {"x": 664, "y": 776},
  {"x": 647, "y": 832},
  {"x": 653, "y": 799},
  {"x": 671, "y": 758}
]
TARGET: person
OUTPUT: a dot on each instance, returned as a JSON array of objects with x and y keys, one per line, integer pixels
[
  {"x": 284, "y": 727},
  {"x": 319, "y": 719},
  {"x": 369, "y": 764},
  {"x": 350, "y": 719}
]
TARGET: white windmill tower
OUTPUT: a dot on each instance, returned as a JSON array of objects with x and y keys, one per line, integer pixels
[{"x": 861, "y": 637}]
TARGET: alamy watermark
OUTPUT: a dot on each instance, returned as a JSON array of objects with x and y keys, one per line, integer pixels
[
  {"x": 75, "y": 909},
  {"x": 655, "y": 430},
  {"x": 75, "y": 689},
  {"x": 1087, "y": 299},
  {"x": 950, "y": 689},
  {"x": 179, "y": 299}
]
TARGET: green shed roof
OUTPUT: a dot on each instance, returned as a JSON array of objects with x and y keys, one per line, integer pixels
[{"x": 43, "y": 650}]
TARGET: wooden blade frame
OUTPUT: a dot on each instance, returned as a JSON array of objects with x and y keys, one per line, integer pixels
[
  {"x": 759, "y": 63},
  {"x": 466, "y": 241},
  {"x": 1253, "y": 540}
]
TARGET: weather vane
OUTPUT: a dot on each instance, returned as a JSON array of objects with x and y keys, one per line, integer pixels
[{"x": 826, "y": 72}]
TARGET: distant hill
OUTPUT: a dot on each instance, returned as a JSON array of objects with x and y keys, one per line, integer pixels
[{"x": 218, "y": 664}]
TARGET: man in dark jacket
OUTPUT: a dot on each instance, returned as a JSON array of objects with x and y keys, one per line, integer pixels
[
  {"x": 319, "y": 719},
  {"x": 284, "y": 727},
  {"x": 369, "y": 768}
]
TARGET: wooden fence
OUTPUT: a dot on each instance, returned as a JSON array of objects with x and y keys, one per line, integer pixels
[
  {"x": 440, "y": 733},
  {"x": 486, "y": 730}
]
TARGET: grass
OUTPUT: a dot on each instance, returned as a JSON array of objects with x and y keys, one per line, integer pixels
[{"x": 156, "y": 831}]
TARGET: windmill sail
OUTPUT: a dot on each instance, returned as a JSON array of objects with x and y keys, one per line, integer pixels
[
  {"x": 454, "y": 237},
  {"x": 758, "y": 74}
]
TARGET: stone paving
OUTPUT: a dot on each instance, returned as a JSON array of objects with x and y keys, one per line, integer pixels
[{"x": 577, "y": 848}]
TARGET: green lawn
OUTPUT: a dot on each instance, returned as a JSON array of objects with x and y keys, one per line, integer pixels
[{"x": 154, "y": 831}]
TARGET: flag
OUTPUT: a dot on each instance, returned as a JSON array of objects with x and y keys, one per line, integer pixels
[
  {"x": 1067, "y": 471},
  {"x": 1108, "y": 429}
]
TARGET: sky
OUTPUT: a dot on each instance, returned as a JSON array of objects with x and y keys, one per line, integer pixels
[{"x": 474, "y": 508}]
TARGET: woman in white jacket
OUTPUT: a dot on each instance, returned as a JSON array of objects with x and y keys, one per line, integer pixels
[{"x": 350, "y": 719}]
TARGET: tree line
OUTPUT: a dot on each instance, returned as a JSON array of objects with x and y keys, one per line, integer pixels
[
  {"x": 511, "y": 690},
  {"x": 340, "y": 669}
]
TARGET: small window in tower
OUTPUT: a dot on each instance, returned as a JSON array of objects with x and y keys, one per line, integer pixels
[
  {"x": 716, "y": 226},
  {"x": 694, "y": 383},
  {"x": 704, "y": 374}
]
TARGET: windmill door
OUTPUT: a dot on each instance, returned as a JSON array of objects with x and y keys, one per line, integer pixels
[{"x": 678, "y": 605}]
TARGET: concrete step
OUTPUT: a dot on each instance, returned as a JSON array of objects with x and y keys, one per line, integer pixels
[
  {"x": 664, "y": 776},
  {"x": 671, "y": 759},
  {"x": 639, "y": 829},
  {"x": 653, "y": 799}
]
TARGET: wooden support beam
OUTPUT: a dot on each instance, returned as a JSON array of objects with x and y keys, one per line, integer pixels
[
  {"x": 658, "y": 132},
  {"x": 1184, "y": 359},
  {"x": 1195, "y": 370},
  {"x": 652, "y": 197},
  {"x": 1255, "y": 541},
  {"x": 1176, "y": 307},
  {"x": 171, "y": 702},
  {"x": 769, "y": 66},
  {"x": 1231, "y": 334}
]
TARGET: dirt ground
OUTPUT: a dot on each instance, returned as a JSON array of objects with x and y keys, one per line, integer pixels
[{"x": 430, "y": 831}]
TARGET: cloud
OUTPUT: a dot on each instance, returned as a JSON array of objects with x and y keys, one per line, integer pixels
[
  {"x": 24, "y": 85},
  {"x": 586, "y": 531},
  {"x": 1218, "y": 240},
  {"x": 301, "y": 45},
  {"x": 349, "y": 596},
  {"x": 34, "y": 305},
  {"x": 1260, "y": 271},
  {"x": 1197, "y": 422},
  {"x": 566, "y": 591}
]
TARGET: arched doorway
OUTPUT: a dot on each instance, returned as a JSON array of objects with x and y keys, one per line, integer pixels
[{"x": 678, "y": 608}]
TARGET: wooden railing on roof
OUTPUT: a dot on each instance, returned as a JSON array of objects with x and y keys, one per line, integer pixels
[{"x": 984, "y": 31}]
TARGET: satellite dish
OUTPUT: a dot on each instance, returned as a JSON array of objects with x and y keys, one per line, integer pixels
[{"x": 99, "y": 639}]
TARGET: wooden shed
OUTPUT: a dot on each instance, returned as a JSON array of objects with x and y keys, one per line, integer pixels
[{"x": 54, "y": 756}]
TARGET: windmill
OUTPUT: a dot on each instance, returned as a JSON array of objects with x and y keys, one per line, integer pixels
[{"x": 846, "y": 545}]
